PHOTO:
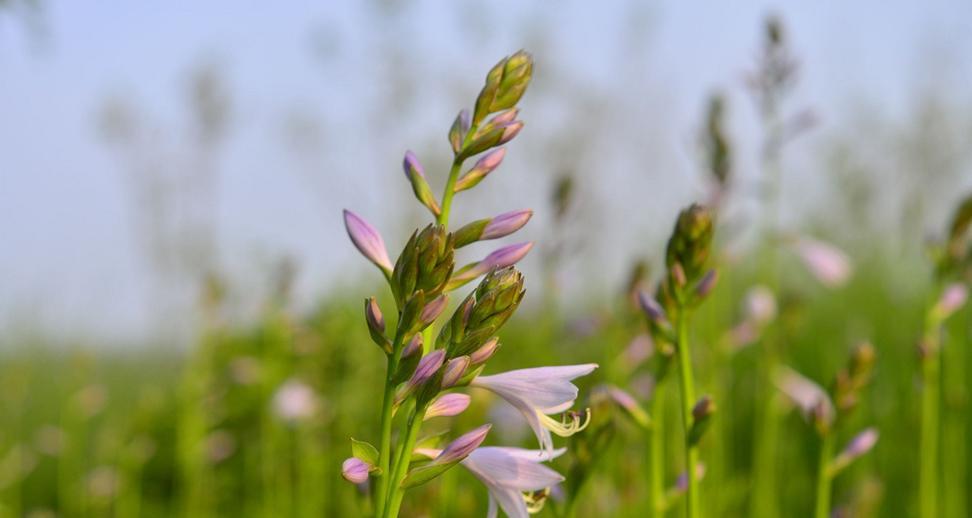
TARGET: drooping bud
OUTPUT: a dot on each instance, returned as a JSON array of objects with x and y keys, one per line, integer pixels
[
  {"x": 355, "y": 470},
  {"x": 457, "y": 133},
  {"x": 505, "y": 84},
  {"x": 483, "y": 167},
  {"x": 690, "y": 243},
  {"x": 485, "y": 351},
  {"x": 454, "y": 370},
  {"x": 447, "y": 405},
  {"x": 809, "y": 397},
  {"x": 500, "y": 258},
  {"x": 425, "y": 264},
  {"x": 376, "y": 324},
  {"x": 492, "y": 228},
  {"x": 368, "y": 241},
  {"x": 420, "y": 186},
  {"x": 630, "y": 405},
  {"x": 483, "y": 313}
]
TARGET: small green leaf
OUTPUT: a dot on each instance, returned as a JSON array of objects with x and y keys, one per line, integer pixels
[{"x": 364, "y": 451}]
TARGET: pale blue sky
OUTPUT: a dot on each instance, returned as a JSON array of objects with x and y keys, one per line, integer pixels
[{"x": 69, "y": 260}]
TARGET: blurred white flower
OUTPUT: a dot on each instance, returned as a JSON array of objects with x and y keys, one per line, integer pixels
[{"x": 294, "y": 401}]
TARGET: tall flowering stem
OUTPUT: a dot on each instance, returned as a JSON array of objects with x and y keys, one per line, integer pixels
[
  {"x": 953, "y": 266},
  {"x": 687, "y": 284},
  {"x": 422, "y": 367}
]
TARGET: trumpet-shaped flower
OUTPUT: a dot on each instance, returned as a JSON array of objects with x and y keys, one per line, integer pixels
[
  {"x": 507, "y": 473},
  {"x": 539, "y": 392}
]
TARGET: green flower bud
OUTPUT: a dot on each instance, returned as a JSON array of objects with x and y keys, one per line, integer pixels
[
  {"x": 483, "y": 312},
  {"x": 505, "y": 84},
  {"x": 691, "y": 242},
  {"x": 425, "y": 264}
]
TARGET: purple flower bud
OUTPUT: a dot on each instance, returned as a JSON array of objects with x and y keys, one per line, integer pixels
[
  {"x": 505, "y": 116},
  {"x": 355, "y": 470},
  {"x": 412, "y": 166},
  {"x": 427, "y": 367},
  {"x": 454, "y": 370},
  {"x": 373, "y": 316},
  {"x": 708, "y": 282},
  {"x": 367, "y": 240},
  {"x": 414, "y": 345},
  {"x": 703, "y": 408},
  {"x": 829, "y": 264},
  {"x": 678, "y": 275},
  {"x": 510, "y": 131},
  {"x": 628, "y": 403},
  {"x": 953, "y": 298},
  {"x": 483, "y": 167},
  {"x": 861, "y": 443},
  {"x": 500, "y": 258},
  {"x": 433, "y": 309},
  {"x": 460, "y": 448},
  {"x": 447, "y": 405},
  {"x": 485, "y": 351},
  {"x": 651, "y": 307},
  {"x": 506, "y": 224}
]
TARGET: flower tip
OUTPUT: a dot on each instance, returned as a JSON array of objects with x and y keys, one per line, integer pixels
[
  {"x": 355, "y": 470},
  {"x": 367, "y": 240},
  {"x": 411, "y": 165}
]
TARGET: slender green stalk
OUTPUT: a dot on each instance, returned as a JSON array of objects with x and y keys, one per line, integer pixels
[
  {"x": 394, "y": 502},
  {"x": 688, "y": 401},
  {"x": 824, "y": 478},
  {"x": 954, "y": 439},
  {"x": 384, "y": 450},
  {"x": 928, "y": 452},
  {"x": 450, "y": 187},
  {"x": 657, "y": 452}
]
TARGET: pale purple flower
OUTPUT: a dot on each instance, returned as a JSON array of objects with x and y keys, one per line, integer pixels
[
  {"x": 639, "y": 349},
  {"x": 464, "y": 445},
  {"x": 505, "y": 116},
  {"x": 367, "y": 240},
  {"x": 651, "y": 307},
  {"x": 827, "y": 263},
  {"x": 454, "y": 370},
  {"x": 953, "y": 298},
  {"x": 506, "y": 224},
  {"x": 809, "y": 397},
  {"x": 294, "y": 401},
  {"x": 507, "y": 473},
  {"x": 630, "y": 405},
  {"x": 355, "y": 470},
  {"x": 536, "y": 393},
  {"x": 707, "y": 284},
  {"x": 447, "y": 405},
  {"x": 510, "y": 130}
]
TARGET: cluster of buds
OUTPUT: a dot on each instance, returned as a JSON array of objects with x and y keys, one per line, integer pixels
[
  {"x": 854, "y": 378},
  {"x": 715, "y": 143},
  {"x": 423, "y": 368},
  {"x": 686, "y": 255}
]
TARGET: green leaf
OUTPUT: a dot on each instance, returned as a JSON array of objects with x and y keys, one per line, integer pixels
[{"x": 364, "y": 451}]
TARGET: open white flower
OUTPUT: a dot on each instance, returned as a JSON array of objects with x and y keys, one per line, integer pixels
[
  {"x": 508, "y": 473},
  {"x": 539, "y": 392}
]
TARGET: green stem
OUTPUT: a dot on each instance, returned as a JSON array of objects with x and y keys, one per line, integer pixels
[
  {"x": 928, "y": 452},
  {"x": 657, "y": 452},
  {"x": 396, "y": 493},
  {"x": 450, "y": 188},
  {"x": 384, "y": 450},
  {"x": 688, "y": 401},
  {"x": 823, "y": 476}
]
